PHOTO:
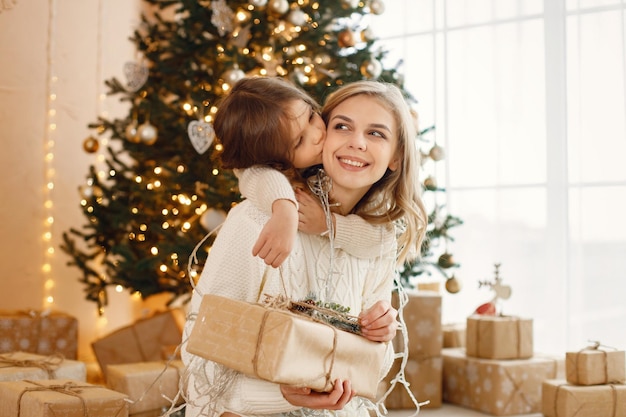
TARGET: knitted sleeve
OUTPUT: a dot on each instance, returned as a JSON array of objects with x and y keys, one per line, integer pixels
[
  {"x": 362, "y": 239},
  {"x": 263, "y": 185}
]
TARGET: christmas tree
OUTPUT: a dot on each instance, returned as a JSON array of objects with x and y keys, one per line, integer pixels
[{"x": 164, "y": 188}]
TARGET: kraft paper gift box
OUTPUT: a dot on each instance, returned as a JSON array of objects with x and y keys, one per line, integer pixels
[
  {"x": 142, "y": 341},
  {"x": 560, "y": 399},
  {"x": 592, "y": 366},
  {"x": 424, "y": 377},
  {"x": 453, "y": 335},
  {"x": 41, "y": 332},
  {"x": 16, "y": 366},
  {"x": 497, "y": 387},
  {"x": 283, "y": 347},
  {"x": 60, "y": 397},
  {"x": 499, "y": 337},
  {"x": 422, "y": 315},
  {"x": 146, "y": 383}
]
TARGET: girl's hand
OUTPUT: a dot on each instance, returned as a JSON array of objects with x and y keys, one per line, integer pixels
[
  {"x": 278, "y": 235},
  {"x": 311, "y": 214},
  {"x": 336, "y": 399},
  {"x": 378, "y": 323}
]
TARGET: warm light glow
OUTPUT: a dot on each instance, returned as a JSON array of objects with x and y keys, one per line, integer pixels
[
  {"x": 49, "y": 299},
  {"x": 163, "y": 268},
  {"x": 46, "y": 268},
  {"x": 154, "y": 250},
  {"x": 119, "y": 288},
  {"x": 136, "y": 295},
  {"x": 49, "y": 284},
  {"x": 186, "y": 226}
]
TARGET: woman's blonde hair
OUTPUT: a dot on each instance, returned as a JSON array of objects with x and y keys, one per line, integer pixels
[{"x": 396, "y": 197}]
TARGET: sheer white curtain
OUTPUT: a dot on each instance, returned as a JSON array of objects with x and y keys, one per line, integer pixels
[{"x": 529, "y": 100}]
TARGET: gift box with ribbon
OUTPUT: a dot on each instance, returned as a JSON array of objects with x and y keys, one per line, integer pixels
[
  {"x": 16, "y": 366},
  {"x": 560, "y": 399},
  {"x": 422, "y": 315},
  {"x": 143, "y": 341},
  {"x": 280, "y": 346},
  {"x": 41, "y": 332},
  {"x": 594, "y": 365},
  {"x": 497, "y": 387},
  {"x": 499, "y": 337},
  {"x": 59, "y": 397},
  {"x": 148, "y": 385}
]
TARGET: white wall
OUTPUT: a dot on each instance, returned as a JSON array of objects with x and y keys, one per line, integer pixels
[{"x": 81, "y": 43}]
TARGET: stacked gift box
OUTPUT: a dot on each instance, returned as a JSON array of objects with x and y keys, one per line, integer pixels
[
  {"x": 141, "y": 358},
  {"x": 497, "y": 373},
  {"x": 41, "y": 332},
  {"x": 34, "y": 385},
  {"x": 593, "y": 385},
  {"x": 423, "y": 370}
]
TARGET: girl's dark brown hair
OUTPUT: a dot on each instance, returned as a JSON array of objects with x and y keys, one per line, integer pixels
[{"x": 253, "y": 123}]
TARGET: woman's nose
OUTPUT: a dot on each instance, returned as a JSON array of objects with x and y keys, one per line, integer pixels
[{"x": 358, "y": 141}]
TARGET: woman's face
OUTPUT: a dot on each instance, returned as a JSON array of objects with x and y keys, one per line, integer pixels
[
  {"x": 308, "y": 133},
  {"x": 361, "y": 143}
]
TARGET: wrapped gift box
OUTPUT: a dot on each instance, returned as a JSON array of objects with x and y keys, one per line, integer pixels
[
  {"x": 142, "y": 341},
  {"x": 59, "y": 397},
  {"x": 16, "y": 366},
  {"x": 283, "y": 347},
  {"x": 424, "y": 377},
  {"x": 595, "y": 366},
  {"x": 146, "y": 383},
  {"x": 499, "y": 337},
  {"x": 453, "y": 335},
  {"x": 497, "y": 387},
  {"x": 41, "y": 332},
  {"x": 422, "y": 315},
  {"x": 560, "y": 399}
]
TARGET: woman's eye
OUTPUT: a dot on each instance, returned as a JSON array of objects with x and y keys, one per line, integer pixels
[
  {"x": 340, "y": 126},
  {"x": 377, "y": 133}
]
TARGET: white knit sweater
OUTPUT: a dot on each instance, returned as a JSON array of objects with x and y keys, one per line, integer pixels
[{"x": 232, "y": 271}]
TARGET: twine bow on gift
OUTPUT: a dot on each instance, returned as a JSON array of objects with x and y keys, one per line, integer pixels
[
  {"x": 68, "y": 388},
  {"x": 49, "y": 364},
  {"x": 281, "y": 303},
  {"x": 596, "y": 346}
]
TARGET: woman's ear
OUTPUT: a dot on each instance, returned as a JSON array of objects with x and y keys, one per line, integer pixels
[{"x": 394, "y": 164}]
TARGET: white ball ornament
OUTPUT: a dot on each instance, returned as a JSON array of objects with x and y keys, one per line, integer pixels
[
  {"x": 233, "y": 75},
  {"x": 279, "y": 6},
  {"x": 147, "y": 133},
  {"x": 258, "y": 3},
  {"x": 377, "y": 7},
  {"x": 212, "y": 218},
  {"x": 297, "y": 17},
  {"x": 371, "y": 68},
  {"x": 437, "y": 153}
]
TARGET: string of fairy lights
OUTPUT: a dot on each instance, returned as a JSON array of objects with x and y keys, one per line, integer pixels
[{"x": 49, "y": 148}]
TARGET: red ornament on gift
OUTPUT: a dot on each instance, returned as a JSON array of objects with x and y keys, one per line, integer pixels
[{"x": 487, "y": 309}]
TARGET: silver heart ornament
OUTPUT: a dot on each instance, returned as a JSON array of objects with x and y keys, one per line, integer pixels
[
  {"x": 201, "y": 135},
  {"x": 136, "y": 75}
]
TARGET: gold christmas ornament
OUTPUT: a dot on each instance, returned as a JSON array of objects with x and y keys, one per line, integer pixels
[
  {"x": 91, "y": 145},
  {"x": 453, "y": 285},
  {"x": 131, "y": 132},
  {"x": 345, "y": 38},
  {"x": 446, "y": 261},
  {"x": 430, "y": 183},
  {"x": 147, "y": 133},
  {"x": 437, "y": 153},
  {"x": 371, "y": 68}
]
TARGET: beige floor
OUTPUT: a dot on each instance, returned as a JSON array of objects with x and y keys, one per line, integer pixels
[{"x": 448, "y": 410}]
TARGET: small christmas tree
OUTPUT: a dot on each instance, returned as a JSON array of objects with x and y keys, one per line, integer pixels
[{"x": 164, "y": 188}]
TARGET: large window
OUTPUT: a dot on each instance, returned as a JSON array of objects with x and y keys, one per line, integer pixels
[{"x": 528, "y": 98}]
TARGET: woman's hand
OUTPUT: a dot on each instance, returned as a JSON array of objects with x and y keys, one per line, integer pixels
[
  {"x": 378, "y": 323},
  {"x": 336, "y": 399}
]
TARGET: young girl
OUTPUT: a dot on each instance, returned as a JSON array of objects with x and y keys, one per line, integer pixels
[{"x": 370, "y": 169}]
